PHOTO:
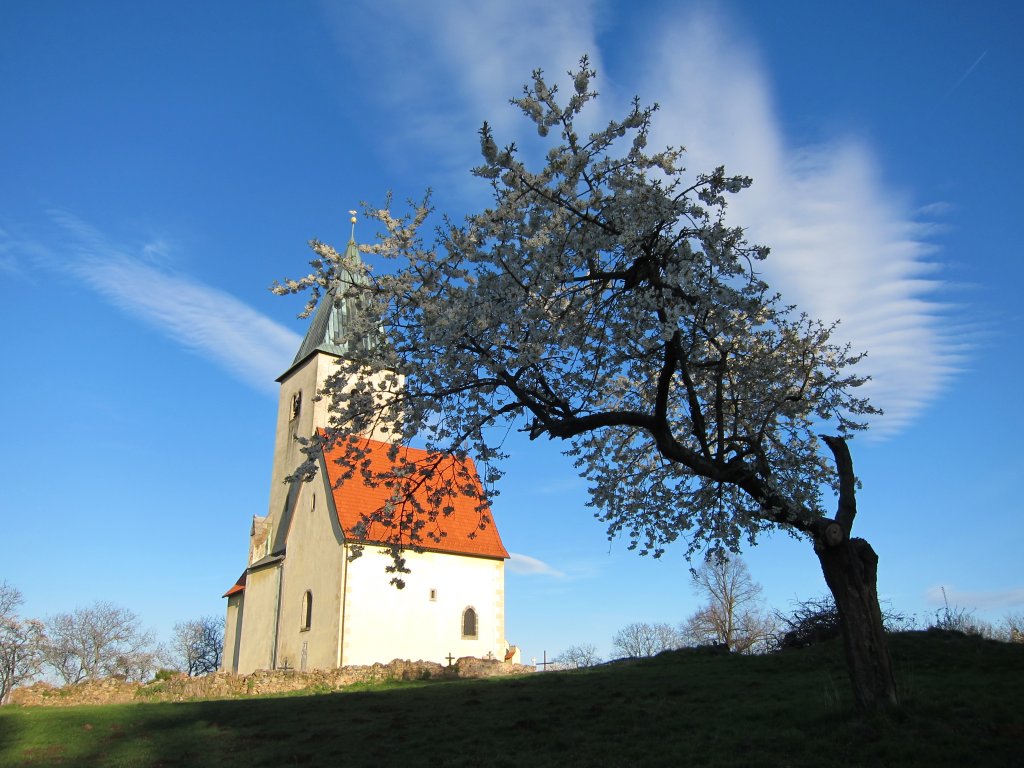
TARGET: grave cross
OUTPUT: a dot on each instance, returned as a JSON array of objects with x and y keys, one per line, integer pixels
[{"x": 450, "y": 658}]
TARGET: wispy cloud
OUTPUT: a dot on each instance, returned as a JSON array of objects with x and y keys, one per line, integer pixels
[
  {"x": 982, "y": 600},
  {"x": 531, "y": 566},
  {"x": 8, "y": 263},
  {"x": 965, "y": 75},
  {"x": 200, "y": 318},
  {"x": 452, "y": 65},
  {"x": 12, "y": 255},
  {"x": 845, "y": 245}
]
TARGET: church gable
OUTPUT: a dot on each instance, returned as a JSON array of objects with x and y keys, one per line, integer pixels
[{"x": 374, "y": 506}]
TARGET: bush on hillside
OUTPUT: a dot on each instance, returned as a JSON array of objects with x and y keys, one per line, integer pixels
[
  {"x": 809, "y": 622},
  {"x": 817, "y": 620}
]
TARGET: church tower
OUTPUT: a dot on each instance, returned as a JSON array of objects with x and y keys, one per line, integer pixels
[
  {"x": 303, "y": 602},
  {"x": 299, "y": 413}
]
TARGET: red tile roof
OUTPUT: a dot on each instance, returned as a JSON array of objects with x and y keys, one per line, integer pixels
[
  {"x": 432, "y": 510},
  {"x": 238, "y": 587}
]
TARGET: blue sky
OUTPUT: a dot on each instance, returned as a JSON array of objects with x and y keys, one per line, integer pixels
[{"x": 162, "y": 164}]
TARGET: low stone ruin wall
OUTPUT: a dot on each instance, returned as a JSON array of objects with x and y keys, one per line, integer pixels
[{"x": 224, "y": 685}]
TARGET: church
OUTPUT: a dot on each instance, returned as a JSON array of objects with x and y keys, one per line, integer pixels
[{"x": 303, "y": 602}]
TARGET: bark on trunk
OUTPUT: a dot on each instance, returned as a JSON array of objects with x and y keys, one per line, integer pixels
[{"x": 850, "y": 570}]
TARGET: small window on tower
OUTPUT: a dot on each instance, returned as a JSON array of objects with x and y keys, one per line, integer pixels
[
  {"x": 296, "y": 405},
  {"x": 433, "y": 594}
]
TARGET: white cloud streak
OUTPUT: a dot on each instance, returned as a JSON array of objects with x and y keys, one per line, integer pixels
[
  {"x": 451, "y": 65},
  {"x": 965, "y": 75},
  {"x": 204, "y": 320},
  {"x": 845, "y": 245},
  {"x": 982, "y": 600},
  {"x": 10, "y": 249},
  {"x": 531, "y": 566}
]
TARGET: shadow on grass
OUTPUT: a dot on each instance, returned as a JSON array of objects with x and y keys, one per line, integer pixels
[{"x": 682, "y": 708}]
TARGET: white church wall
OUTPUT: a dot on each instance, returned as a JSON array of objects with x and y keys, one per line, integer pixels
[{"x": 424, "y": 620}]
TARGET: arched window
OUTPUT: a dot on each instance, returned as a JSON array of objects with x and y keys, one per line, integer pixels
[
  {"x": 469, "y": 623},
  {"x": 307, "y": 611}
]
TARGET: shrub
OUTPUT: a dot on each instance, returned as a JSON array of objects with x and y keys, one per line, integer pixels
[
  {"x": 809, "y": 622},
  {"x": 953, "y": 618},
  {"x": 817, "y": 620}
]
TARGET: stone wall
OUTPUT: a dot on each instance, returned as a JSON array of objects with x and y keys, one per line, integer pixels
[{"x": 224, "y": 685}]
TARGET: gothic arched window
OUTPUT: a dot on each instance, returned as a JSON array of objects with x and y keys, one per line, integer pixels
[
  {"x": 307, "y": 611},
  {"x": 469, "y": 623}
]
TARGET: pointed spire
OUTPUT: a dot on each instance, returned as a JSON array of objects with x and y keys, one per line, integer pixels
[
  {"x": 329, "y": 324},
  {"x": 352, "y": 251}
]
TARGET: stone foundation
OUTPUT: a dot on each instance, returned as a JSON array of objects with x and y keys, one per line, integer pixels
[{"x": 223, "y": 685}]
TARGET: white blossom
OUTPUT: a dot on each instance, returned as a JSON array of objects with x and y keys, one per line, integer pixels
[{"x": 603, "y": 300}]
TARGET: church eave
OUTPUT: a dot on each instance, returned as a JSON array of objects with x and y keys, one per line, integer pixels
[
  {"x": 407, "y": 547},
  {"x": 238, "y": 586},
  {"x": 299, "y": 362},
  {"x": 265, "y": 562}
]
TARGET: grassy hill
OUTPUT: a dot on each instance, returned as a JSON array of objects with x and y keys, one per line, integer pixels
[{"x": 963, "y": 705}]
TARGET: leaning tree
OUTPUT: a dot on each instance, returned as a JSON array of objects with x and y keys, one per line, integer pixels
[{"x": 603, "y": 300}]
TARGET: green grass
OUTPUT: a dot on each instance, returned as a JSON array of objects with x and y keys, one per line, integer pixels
[{"x": 962, "y": 706}]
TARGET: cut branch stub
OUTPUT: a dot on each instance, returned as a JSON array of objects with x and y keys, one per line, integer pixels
[{"x": 829, "y": 534}]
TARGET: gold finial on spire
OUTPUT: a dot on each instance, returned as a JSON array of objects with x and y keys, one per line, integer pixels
[{"x": 353, "y": 220}]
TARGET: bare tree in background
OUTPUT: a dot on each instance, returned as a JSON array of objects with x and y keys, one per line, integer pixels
[
  {"x": 20, "y": 643},
  {"x": 197, "y": 645},
  {"x": 733, "y": 616},
  {"x": 578, "y": 657},
  {"x": 639, "y": 640},
  {"x": 99, "y": 641},
  {"x": 1013, "y": 627}
]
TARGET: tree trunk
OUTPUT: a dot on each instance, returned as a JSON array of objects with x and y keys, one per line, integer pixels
[{"x": 850, "y": 567}]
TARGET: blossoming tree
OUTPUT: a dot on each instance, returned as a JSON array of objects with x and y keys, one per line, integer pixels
[{"x": 603, "y": 300}]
